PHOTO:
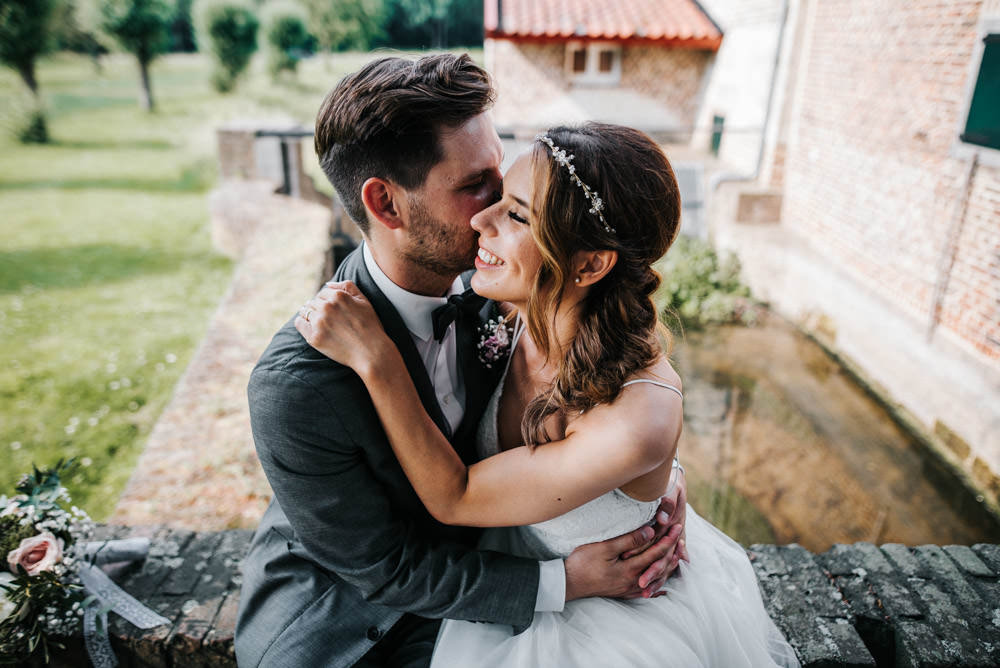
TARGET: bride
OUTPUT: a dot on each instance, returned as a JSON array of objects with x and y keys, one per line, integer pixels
[{"x": 578, "y": 440}]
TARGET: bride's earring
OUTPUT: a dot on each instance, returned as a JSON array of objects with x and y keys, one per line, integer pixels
[{"x": 576, "y": 280}]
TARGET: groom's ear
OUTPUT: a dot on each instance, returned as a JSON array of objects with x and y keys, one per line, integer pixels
[
  {"x": 592, "y": 266},
  {"x": 382, "y": 199}
]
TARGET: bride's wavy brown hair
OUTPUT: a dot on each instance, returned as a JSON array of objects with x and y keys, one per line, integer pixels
[{"x": 618, "y": 325}]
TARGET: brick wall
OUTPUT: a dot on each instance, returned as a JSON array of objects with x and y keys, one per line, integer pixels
[
  {"x": 660, "y": 88},
  {"x": 870, "y": 175}
]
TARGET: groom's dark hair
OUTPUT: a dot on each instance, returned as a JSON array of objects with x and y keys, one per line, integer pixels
[{"x": 384, "y": 121}]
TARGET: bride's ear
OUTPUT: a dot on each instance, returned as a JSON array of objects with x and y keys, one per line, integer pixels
[
  {"x": 592, "y": 266},
  {"x": 380, "y": 200}
]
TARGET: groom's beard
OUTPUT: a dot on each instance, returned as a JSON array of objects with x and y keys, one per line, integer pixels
[{"x": 435, "y": 246}]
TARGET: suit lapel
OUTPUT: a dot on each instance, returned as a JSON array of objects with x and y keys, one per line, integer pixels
[
  {"x": 479, "y": 381},
  {"x": 353, "y": 268}
]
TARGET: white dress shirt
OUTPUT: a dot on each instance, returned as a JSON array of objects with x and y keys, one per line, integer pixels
[{"x": 441, "y": 362}]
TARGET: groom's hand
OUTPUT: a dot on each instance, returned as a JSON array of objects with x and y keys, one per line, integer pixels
[
  {"x": 636, "y": 564},
  {"x": 599, "y": 569}
]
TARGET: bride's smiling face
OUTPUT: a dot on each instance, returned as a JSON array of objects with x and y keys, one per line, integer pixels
[{"x": 508, "y": 260}]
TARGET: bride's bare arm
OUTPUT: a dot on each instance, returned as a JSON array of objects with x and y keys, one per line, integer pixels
[{"x": 605, "y": 449}]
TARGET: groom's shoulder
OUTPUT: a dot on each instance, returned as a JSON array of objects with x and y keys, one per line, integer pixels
[{"x": 289, "y": 357}]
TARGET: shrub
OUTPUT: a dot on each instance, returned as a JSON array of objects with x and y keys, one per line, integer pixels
[
  {"x": 229, "y": 29},
  {"x": 287, "y": 37},
  {"x": 698, "y": 289}
]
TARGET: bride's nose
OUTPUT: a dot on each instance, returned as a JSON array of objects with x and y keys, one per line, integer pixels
[{"x": 482, "y": 221}]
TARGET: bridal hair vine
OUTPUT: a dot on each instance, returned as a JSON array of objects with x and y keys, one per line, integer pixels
[{"x": 560, "y": 156}]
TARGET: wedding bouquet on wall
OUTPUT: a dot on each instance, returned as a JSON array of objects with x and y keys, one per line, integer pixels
[
  {"x": 53, "y": 587},
  {"x": 41, "y": 596}
]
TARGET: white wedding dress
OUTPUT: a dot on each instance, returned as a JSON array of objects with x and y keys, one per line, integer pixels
[{"x": 711, "y": 615}]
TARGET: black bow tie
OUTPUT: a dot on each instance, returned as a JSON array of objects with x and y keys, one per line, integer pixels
[{"x": 467, "y": 303}]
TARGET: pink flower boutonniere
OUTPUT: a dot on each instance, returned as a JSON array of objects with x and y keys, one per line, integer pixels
[{"x": 495, "y": 337}]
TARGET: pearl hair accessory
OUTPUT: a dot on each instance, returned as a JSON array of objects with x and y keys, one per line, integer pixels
[{"x": 560, "y": 156}]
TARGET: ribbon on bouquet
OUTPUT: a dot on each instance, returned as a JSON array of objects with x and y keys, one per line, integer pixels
[{"x": 110, "y": 596}]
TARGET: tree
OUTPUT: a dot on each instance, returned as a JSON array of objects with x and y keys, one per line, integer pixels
[
  {"x": 181, "y": 29},
  {"x": 229, "y": 29},
  {"x": 25, "y": 34},
  {"x": 437, "y": 23},
  {"x": 345, "y": 24},
  {"x": 140, "y": 26},
  {"x": 287, "y": 37}
]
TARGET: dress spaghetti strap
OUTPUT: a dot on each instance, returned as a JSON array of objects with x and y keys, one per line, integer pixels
[{"x": 653, "y": 382}]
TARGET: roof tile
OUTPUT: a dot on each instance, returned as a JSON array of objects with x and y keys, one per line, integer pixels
[{"x": 675, "y": 22}]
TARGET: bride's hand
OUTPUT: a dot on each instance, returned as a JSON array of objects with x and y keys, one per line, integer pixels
[{"x": 341, "y": 323}]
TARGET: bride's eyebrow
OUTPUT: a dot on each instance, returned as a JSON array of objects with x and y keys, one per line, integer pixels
[{"x": 520, "y": 201}]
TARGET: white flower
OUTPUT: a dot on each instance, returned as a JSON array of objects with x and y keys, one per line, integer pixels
[{"x": 6, "y": 607}]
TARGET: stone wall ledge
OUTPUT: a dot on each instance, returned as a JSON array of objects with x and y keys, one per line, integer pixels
[{"x": 853, "y": 605}]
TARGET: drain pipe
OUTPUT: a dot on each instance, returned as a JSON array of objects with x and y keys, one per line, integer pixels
[
  {"x": 947, "y": 259},
  {"x": 731, "y": 177}
]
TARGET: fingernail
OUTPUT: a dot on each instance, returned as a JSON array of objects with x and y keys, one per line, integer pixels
[
  {"x": 662, "y": 517},
  {"x": 648, "y": 533}
]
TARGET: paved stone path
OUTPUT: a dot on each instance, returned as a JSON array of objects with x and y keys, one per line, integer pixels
[{"x": 199, "y": 470}]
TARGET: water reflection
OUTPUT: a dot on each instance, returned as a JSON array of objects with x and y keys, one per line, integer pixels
[{"x": 780, "y": 445}]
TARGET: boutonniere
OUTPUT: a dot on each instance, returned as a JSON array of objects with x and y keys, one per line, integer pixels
[{"x": 495, "y": 337}]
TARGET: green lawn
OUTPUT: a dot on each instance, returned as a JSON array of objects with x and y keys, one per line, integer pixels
[{"x": 107, "y": 275}]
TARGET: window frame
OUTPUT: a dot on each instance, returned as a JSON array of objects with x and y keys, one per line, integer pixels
[
  {"x": 960, "y": 148},
  {"x": 591, "y": 75}
]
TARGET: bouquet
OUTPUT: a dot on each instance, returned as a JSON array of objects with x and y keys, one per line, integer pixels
[
  {"x": 41, "y": 597},
  {"x": 52, "y": 587}
]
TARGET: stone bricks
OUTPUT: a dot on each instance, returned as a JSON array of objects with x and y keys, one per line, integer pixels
[
  {"x": 852, "y": 606},
  {"x": 922, "y": 606}
]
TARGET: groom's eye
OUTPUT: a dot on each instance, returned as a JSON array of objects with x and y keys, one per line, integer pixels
[{"x": 478, "y": 183}]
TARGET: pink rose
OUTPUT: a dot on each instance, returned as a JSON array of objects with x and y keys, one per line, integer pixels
[{"x": 36, "y": 554}]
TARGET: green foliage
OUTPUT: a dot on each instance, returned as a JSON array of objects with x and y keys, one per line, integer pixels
[
  {"x": 140, "y": 26},
  {"x": 34, "y": 129},
  {"x": 435, "y": 23},
  {"x": 698, "y": 289},
  {"x": 338, "y": 26},
  {"x": 12, "y": 532},
  {"x": 25, "y": 33},
  {"x": 229, "y": 29},
  {"x": 181, "y": 28},
  {"x": 287, "y": 37}
]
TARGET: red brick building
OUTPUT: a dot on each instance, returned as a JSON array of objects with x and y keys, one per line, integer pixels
[
  {"x": 638, "y": 62},
  {"x": 884, "y": 148}
]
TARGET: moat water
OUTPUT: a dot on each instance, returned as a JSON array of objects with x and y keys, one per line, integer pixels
[{"x": 781, "y": 445}]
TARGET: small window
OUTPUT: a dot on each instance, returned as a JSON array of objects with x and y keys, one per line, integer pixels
[
  {"x": 983, "y": 124},
  {"x": 594, "y": 63},
  {"x": 607, "y": 61}
]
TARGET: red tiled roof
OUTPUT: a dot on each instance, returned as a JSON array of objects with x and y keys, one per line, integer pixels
[{"x": 681, "y": 23}]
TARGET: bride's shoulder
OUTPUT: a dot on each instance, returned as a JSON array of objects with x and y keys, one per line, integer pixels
[{"x": 647, "y": 414}]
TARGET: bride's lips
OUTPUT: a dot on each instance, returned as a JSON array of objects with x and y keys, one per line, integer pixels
[{"x": 487, "y": 260}]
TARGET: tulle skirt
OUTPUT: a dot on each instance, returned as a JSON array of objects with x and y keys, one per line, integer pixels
[{"x": 711, "y": 615}]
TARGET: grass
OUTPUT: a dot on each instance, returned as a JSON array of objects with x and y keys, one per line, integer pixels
[{"x": 107, "y": 274}]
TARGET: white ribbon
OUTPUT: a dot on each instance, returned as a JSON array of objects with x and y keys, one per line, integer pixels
[{"x": 111, "y": 597}]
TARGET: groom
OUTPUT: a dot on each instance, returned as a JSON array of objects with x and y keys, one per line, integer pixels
[{"x": 347, "y": 567}]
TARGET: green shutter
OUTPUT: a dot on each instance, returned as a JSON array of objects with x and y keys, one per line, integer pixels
[{"x": 983, "y": 125}]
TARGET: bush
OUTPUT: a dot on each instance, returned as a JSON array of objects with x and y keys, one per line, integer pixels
[
  {"x": 23, "y": 117},
  {"x": 699, "y": 290},
  {"x": 34, "y": 130},
  {"x": 229, "y": 29},
  {"x": 287, "y": 37}
]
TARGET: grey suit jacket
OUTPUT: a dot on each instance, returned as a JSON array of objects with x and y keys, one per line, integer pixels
[{"x": 346, "y": 547}]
